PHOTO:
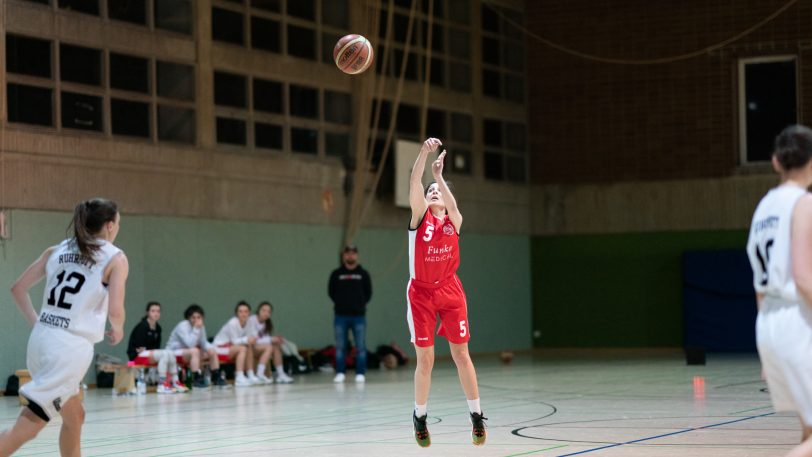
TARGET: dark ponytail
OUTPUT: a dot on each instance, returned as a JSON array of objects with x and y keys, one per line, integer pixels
[
  {"x": 88, "y": 219},
  {"x": 268, "y": 322}
]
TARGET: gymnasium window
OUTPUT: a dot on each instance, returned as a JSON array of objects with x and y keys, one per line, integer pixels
[
  {"x": 304, "y": 102},
  {"x": 337, "y": 144},
  {"x": 129, "y": 73},
  {"x": 458, "y": 141},
  {"x": 176, "y": 124},
  {"x": 505, "y": 150},
  {"x": 459, "y": 43},
  {"x": 28, "y": 56},
  {"x": 176, "y": 81},
  {"x": 337, "y": 107},
  {"x": 268, "y": 136},
  {"x": 304, "y": 140},
  {"x": 173, "y": 15},
  {"x": 227, "y": 26},
  {"x": 268, "y": 96},
  {"x": 435, "y": 123},
  {"x": 230, "y": 90},
  {"x": 265, "y": 34},
  {"x": 437, "y": 76},
  {"x": 304, "y": 9},
  {"x": 301, "y": 42},
  {"x": 408, "y": 119},
  {"x": 768, "y": 102},
  {"x": 459, "y": 11},
  {"x": 81, "y": 6},
  {"x": 130, "y": 118},
  {"x": 231, "y": 131},
  {"x": 268, "y": 5},
  {"x": 335, "y": 13},
  {"x": 461, "y": 128},
  {"x": 438, "y": 8},
  {"x": 460, "y": 77},
  {"x": 328, "y": 42},
  {"x": 81, "y": 111},
  {"x": 80, "y": 64},
  {"x": 30, "y": 104},
  {"x": 502, "y": 54},
  {"x": 134, "y": 11},
  {"x": 384, "y": 117}
]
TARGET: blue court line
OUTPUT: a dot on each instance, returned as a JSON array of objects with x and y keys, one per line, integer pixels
[{"x": 665, "y": 434}]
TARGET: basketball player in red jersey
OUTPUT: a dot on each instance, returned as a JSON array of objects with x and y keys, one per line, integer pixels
[{"x": 434, "y": 289}]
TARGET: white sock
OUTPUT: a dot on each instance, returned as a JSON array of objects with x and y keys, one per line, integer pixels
[
  {"x": 260, "y": 369},
  {"x": 240, "y": 375},
  {"x": 280, "y": 370},
  {"x": 420, "y": 410},
  {"x": 473, "y": 406}
]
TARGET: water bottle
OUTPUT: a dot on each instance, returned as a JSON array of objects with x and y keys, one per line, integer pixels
[{"x": 140, "y": 383}]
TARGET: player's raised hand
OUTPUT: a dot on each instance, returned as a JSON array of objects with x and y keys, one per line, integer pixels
[
  {"x": 430, "y": 145},
  {"x": 437, "y": 166}
]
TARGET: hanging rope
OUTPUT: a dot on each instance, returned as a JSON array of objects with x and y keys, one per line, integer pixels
[
  {"x": 661, "y": 60},
  {"x": 361, "y": 130},
  {"x": 358, "y": 209},
  {"x": 424, "y": 108},
  {"x": 390, "y": 134},
  {"x": 398, "y": 259}
]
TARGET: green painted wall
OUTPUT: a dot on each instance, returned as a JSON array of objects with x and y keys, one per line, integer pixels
[
  {"x": 216, "y": 263},
  {"x": 615, "y": 290}
]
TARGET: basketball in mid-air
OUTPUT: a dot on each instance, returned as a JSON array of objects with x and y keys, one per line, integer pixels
[{"x": 353, "y": 54}]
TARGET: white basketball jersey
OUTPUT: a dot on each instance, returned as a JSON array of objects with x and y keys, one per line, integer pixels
[
  {"x": 769, "y": 246},
  {"x": 75, "y": 298}
]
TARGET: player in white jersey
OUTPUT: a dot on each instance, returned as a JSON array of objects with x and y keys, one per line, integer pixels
[
  {"x": 780, "y": 252},
  {"x": 85, "y": 281},
  {"x": 267, "y": 345},
  {"x": 233, "y": 340}
]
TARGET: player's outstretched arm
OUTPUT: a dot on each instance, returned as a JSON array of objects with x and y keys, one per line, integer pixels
[
  {"x": 32, "y": 275},
  {"x": 448, "y": 197},
  {"x": 119, "y": 270},
  {"x": 417, "y": 200}
]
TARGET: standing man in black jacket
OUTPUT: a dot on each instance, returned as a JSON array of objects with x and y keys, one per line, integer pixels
[{"x": 350, "y": 289}]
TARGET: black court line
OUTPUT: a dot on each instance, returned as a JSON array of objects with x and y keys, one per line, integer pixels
[{"x": 664, "y": 435}]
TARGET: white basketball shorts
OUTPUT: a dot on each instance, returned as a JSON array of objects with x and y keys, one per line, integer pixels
[
  {"x": 57, "y": 361},
  {"x": 784, "y": 339}
]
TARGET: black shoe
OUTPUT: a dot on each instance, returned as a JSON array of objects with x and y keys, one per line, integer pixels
[
  {"x": 478, "y": 432},
  {"x": 199, "y": 382},
  {"x": 421, "y": 431},
  {"x": 218, "y": 379}
]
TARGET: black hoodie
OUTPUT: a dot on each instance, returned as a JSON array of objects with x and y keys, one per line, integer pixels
[
  {"x": 143, "y": 336},
  {"x": 350, "y": 290}
]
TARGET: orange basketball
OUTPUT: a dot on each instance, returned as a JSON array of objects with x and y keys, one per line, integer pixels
[{"x": 353, "y": 54}]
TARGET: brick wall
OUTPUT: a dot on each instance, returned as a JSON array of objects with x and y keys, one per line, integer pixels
[{"x": 600, "y": 122}]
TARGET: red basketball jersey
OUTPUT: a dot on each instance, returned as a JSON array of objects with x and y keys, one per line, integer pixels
[{"x": 434, "y": 249}]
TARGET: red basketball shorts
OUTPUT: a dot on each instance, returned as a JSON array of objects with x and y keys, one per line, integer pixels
[{"x": 427, "y": 301}]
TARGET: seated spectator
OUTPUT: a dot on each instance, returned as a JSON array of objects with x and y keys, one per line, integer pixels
[
  {"x": 145, "y": 341},
  {"x": 188, "y": 340},
  {"x": 233, "y": 340},
  {"x": 267, "y": 345}
]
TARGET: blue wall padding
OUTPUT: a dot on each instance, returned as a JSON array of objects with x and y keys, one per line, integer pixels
[{"x": 718, "y": 301}]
